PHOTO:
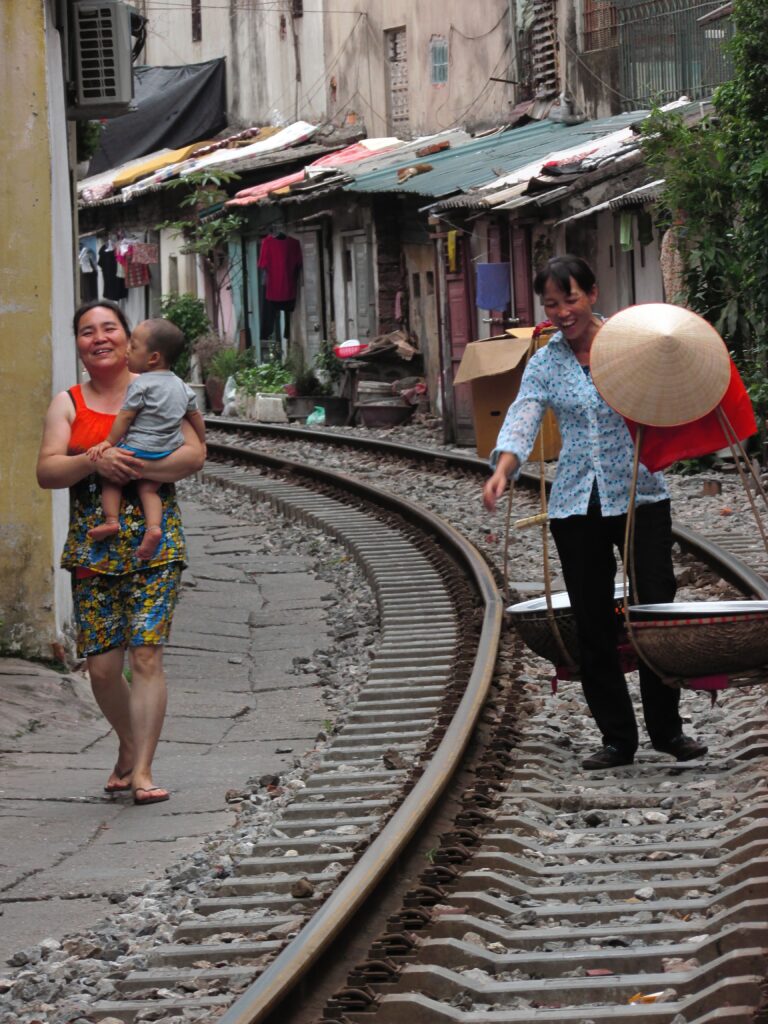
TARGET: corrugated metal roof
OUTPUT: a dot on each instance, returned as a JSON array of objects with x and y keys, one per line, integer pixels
[{"x": 483, "y": 160}]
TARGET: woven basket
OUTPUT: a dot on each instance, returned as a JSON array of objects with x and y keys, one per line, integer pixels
[
  {"x": 532, "y": 623},
  {"x": 705, "y": 646}
]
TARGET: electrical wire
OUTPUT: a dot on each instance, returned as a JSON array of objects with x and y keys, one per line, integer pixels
[
  {"x": 482, "y": 35},
  {"x": 588, "y": 69}
]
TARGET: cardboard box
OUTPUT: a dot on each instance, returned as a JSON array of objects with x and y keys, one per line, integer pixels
[{"x": 495, "y": 369}]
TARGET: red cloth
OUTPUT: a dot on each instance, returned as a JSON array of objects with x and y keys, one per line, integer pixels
[
  {"x": 282, "y": 259},
  {"x": 664, "y": 445}
]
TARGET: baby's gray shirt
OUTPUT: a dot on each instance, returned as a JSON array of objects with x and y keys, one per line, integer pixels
[{"x": 161, "y": 400}]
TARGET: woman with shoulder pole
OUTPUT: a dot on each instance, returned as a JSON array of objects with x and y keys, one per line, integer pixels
[
  {"x": 588, "y": 509},
  {"x": 120, "y": 600}
]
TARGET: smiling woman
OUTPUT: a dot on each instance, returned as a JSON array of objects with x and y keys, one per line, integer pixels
[
  {"x": 588, "y": 512},
  {"x": 120, "y": 601}
]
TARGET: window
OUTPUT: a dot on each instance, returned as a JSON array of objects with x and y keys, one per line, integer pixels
[
  {"x": 599, "y": 25},
  {"x": 430, "y": 282},
  {"x": 297, "y": 9},
  {"x": 397, "y": 84},
  {"x": 197, "y": 21},
  {"x": 416, "y": 286},
  {"x": 438, "y": 55}
]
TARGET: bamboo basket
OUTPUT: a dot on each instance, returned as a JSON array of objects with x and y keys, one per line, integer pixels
[
  {"x": 533, "y": 625},
  {"x": 695, "y": 639}
]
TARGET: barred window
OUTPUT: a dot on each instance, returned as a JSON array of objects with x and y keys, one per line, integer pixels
[
  {"x": 600, "y": 22},
  {"x": 438, "y": 51}
]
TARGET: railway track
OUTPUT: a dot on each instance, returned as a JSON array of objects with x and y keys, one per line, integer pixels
[{"x": 547, "y": 893}]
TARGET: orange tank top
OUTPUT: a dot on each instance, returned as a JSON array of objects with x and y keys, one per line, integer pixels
[{"x": 88, "y": 427}]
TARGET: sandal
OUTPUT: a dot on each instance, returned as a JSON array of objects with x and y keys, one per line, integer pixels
[
  {"x": 120, "y": 787},
  {"x": 154, "y": 795}
]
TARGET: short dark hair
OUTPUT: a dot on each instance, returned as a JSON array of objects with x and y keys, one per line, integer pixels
[
  {"x": 561, "y": 269},
  {"x": 98, "y": 304},
  {"x": 165, "y": 337}
]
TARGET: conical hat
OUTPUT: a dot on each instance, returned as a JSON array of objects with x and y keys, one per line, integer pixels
[{"x": 660, "y": 365}]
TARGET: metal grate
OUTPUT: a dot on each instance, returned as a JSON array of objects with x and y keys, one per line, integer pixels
[
  {"x": 600, "y": 25},
  {"x": 98, "y": 62},
  {"x": 663, "y": 51}
]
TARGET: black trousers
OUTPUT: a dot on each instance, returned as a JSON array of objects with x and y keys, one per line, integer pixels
[{"x": 586, "y": 546}]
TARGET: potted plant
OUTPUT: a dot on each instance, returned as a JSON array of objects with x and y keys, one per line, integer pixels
[
  {"x": 218, "y": 361},
  {"x": 261, "y": 389}
]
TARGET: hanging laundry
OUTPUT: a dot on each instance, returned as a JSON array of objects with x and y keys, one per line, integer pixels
[
  {"x": 136, "y": 274},
  {"x": 114, "y": 286},
  {"x": 281, "y": 259},
  {"x": 626, "y": 240},
  {"x": 452, "y": 235},
  {"x": 145, "y": 252},
  {"x": 87, "y": 260},
  {"x": 493, "y": 285}
]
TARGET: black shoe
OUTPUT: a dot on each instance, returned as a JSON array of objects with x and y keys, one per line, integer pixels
[
  {"x": 607, "y": 757},
  {"x": 683, "y": 748}
]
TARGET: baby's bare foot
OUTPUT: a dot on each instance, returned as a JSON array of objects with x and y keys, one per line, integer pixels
[
  {"x": 104, "y": 530},
  {"x": 149, "y": 542}
]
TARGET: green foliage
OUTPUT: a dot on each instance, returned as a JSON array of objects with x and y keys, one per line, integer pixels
[
  {"x": 87, "y": 138},
  {"x": 328, "y": 365},
  {"x": 205, "y": 231},
  {"x": 716, "y": 188},
  {"x": 189, "y": 314},
  {"x": 227, "y": 363},
  {"x": 264, "y": 379}
]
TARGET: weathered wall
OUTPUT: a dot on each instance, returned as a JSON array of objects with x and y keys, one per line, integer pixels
[
  {"x": 477, "y": 36},
  {"x": 341, "y": 59},
  {"x": 36, "y": 348},
  {"x": 264, "y": 47}
]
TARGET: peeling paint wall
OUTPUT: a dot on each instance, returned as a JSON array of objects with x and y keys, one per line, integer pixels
[
  {"x": 264, "y": 47},
  {"x": 36, "y": 348},
  {"x": 340, "y": 53},
  {"x": 477, "y": 38}
]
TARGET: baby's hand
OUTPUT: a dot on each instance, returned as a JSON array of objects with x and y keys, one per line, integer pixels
[{"x": 98, "y": 450}]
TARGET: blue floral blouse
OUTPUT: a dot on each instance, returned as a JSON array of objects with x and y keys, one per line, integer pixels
[{"x": 597, "y": 447}]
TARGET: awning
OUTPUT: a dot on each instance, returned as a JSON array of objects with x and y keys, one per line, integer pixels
[
  {"x": 328, "y": 162},
  {"x": 635, "y": 197},
  {"x": 153, "y": 163}
]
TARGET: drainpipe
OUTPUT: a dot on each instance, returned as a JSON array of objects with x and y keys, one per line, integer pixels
[{"x": 513, "y": 43}]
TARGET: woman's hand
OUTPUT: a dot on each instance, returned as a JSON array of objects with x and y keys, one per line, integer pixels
[
  {"x": 98, "y": 450},
  {"x": 496, "y": 484},
  {"x": 119, "y": 466}
]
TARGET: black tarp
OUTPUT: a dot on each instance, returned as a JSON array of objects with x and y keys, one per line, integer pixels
[{"x": 175, "y": 106}]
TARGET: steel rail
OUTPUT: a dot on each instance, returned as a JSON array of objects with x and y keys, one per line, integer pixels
[
  {"x": 729, "y": 566},
  {"x": 292, "y": 964}
]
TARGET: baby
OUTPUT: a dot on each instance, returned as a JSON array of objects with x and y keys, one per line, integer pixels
[{"x": 149, "y": 424}]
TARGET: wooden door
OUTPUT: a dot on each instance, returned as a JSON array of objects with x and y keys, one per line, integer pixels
[
  {"x": 459, "y": 293},
  {"x": 522, "y": 279},
  {"x": 358, "y": 287},
  {"x": 312, "y": 292}
]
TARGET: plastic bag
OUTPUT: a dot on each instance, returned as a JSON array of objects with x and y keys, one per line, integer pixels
[
  {"x": 229, "y": 399},
  {"x": 317, "y": 417}
]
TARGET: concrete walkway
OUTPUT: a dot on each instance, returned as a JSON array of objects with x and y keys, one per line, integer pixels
[{"x": 234, "y": 702}]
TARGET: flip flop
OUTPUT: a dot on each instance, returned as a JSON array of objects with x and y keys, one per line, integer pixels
[
  {"x": 119, "y": 787},
  {"x": 151, "y": 798}
]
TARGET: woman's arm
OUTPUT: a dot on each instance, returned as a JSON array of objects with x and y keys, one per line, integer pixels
[
  {"x": 495, "y": 485},
  {"x": 55, "y": 468},
  {"x": 185, "y": 461}
]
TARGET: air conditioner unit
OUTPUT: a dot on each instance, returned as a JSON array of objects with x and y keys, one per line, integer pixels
[{"x": 101, "y": 38}]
